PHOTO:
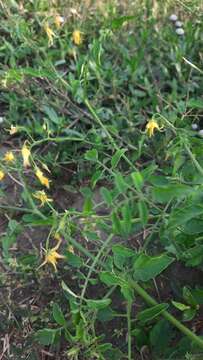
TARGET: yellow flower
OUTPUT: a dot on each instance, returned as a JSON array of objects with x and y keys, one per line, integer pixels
[
  {"x": 9, "y": 157},
  {"x": 58, "y": 21},
  {"x": 52, "y": 256},
  {"x": 42, "y": 196},
  {"x": 2, "y": 175},
  {"x": 43, "y": 179},
  {"x": 151, "y": 126},
  {"x": 13, "y": 130},
  {"x": 50, "y": 34},
  {"x": 25, "y": 154},
  {"x": 77, "y": 37}
]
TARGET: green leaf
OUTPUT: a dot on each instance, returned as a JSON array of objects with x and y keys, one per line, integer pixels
[
  {"x": 121, "y": 255},
  {"x": 109, "y": 279},
  {"x": 147, "y": 267},
  {"x": 160, "y": 336},
  {"x": 197, "y": 294},
  {"x": 118, "y": 22},
  {"x": 106, "y": 195},
  {"x": 127, "y": 219},
  {"x": 181, "y": 216},
  {"x": 98, "y": 304},
  {"x": 88, "y": 205},
  {"x": 151, "y": 313},
  {"x": 91, "y": 155},
  {"x": 106, "y": 314},
  {"x": 180, "y": 306},
  {"x": 194, "y": 226},
  {"x": 189, "y": 314},
  {"x": 188, "y": 297},
  {"x": 116, "y": 224},
  {"x": 166, "y": 193},
  {"x": 68, "y": 290},
  {"x": 73, "y": 260},
  {"x": 127, "y": 291},
  {"x": 58, "y": 315},
  {"x": 46, "y": 336},
  {"x": 138, "y": 180},
  {"x": 195, "y": 103},
  {"x": 120, "y": 183},
  {"x": 116, "y": 157},
  {"x": 52, "y": 115},
  {"x": 143, "y": 212}
]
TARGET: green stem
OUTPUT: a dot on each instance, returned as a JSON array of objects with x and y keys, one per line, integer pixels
[{"x": 129, "y": 307}]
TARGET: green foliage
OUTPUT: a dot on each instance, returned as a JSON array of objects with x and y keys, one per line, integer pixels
[{"x": 122, "y": 211}]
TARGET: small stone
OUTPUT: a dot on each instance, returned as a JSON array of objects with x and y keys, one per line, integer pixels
[
  {"x": 180, "y": 31},
  {"x": 194, "y": 126},
  {"x": 1, "y": 119},
  {"x": 200, "y": 132},
  {"x": 178, "y": 24},
  {"x": 173, "y": 17}
]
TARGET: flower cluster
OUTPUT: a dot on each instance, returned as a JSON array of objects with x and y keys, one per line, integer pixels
[{"x": 58, "y": 20}]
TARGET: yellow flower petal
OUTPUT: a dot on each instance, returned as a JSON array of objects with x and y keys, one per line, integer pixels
[
  {"x": 50, "y": 34},
  {"x": 9, "y": 157},
  {"x": 2, "y": 175},
  {"x": 43, "y": 179},
  {"x": 77, "y": 37},
  {"x": 25, "y": 154}
]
